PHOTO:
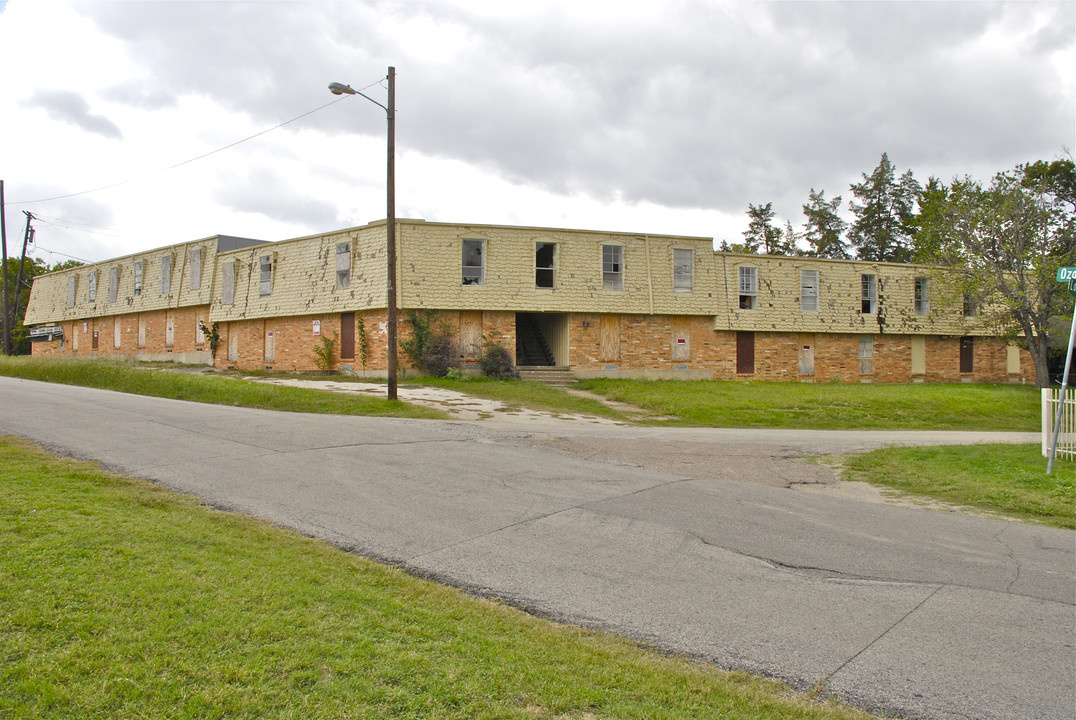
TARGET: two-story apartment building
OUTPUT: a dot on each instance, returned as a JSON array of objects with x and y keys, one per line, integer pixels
[{"x": 598, "y": 303}]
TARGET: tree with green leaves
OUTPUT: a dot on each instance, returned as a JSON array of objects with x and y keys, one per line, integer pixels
[
  {"x": 1006, "y": 241},
  {"x": 824, "y": 229},
  {"x": 20, "y": 298},
  {"x": 762, "y": 235},
  {"x": 885, "y": 214}
]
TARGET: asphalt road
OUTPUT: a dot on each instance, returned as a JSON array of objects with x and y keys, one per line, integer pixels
[{"x": 688, "y": 540}]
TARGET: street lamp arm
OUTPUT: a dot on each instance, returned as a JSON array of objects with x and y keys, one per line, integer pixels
[{"x": 342, "y": 89}]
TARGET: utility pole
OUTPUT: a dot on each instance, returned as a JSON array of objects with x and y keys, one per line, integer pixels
[
  {"x": 26, "y": 238},
  {"x": 3, "y": 237}
]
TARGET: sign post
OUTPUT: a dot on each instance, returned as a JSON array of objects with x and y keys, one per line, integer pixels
[{"x": 1065, "y": 274}]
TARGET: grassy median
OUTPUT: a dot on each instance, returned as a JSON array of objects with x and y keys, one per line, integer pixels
[
  {"x": 1005, "y": 480},
  {"x": 216, "y": 389},
  {"x": 121, "y": 599}
]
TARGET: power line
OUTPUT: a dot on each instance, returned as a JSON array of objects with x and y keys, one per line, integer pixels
[{"x": 187, "y": 162}]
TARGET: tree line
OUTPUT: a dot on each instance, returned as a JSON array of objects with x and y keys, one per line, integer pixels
[{"x": 1001, "y": 243}]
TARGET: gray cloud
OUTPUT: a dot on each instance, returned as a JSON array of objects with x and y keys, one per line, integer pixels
[
  {"x": 708, "y": 105},
  {"x": 264, "y": 191},
  {"x": 70, "y": 107}
]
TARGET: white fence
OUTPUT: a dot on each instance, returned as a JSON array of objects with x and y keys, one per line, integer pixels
[{"x": 1066, "y": 441}]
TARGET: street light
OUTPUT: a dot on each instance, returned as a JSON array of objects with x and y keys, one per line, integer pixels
[{"x": 390, "y": 213}]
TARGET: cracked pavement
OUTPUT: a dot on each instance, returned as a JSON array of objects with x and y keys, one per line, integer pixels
[{"x": 689, "y": 540}]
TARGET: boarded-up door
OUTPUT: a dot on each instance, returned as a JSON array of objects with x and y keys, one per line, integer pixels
[
  {"x": 94, "y": 346},
  {"x": 270, "y": 346},
  {"x": 610, "y": 338},
  {"x": 806, "y": 353},
  {"x": 347, "y": 335},
  {"x": 681, "y": 338},
  {"x": 745, "y": 353},
  {"x": 233, "y": 343},
  {"x": 470, "y": 334}
]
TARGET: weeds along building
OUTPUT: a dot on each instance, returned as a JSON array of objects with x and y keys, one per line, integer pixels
[{"x": 597, "y": 303}]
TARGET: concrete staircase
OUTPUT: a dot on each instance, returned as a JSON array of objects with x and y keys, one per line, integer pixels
[{"x": 555, "y": 376}]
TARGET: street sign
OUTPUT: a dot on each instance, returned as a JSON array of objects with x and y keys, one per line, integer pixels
[
  {"x": 1066, "y": 274},
  {"x": 1072, "y": 286}
]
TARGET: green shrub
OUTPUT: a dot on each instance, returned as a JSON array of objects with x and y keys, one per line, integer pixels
[{"x": 496, "y": 362}]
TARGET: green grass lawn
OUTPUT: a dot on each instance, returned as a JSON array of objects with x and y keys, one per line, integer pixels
[
  {"x": 123, "y": 600},
  {"x": 1008, "y": 480},
  {"x": 826, "y": 406},
  {"x": 141, "y": 379}
]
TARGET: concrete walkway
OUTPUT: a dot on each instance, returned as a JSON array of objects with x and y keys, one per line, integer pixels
[{"x": 917, "y": 613}]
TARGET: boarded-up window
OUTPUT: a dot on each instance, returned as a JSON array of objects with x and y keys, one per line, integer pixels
[
  {"x": 91, "y": 283},
  {"x": 199, "y": 332},
  {"x": 473, "y": 266},
  {"x": 806, "y": 354},
  {"x": 270, "y": 346},
  {"x": 228, "y": 289},
  {"x": 72, "y": 284},
  {"x": 117, "y": 333},
  {"x": 745, "y": 353},
  {"x": 166, "y": 274},
  {"x": 113, "y": 284},
  {"x": 265, "y": 275},
  {"x": 343, "y": 266},
  {"x": 470, "y": 334},
  {"x": 683, "y": 270},
  {"x": 196, "y": 268},
  {"x": 612, "y": 267},
  {"x": 138, "y": 277},
  {"x": 233, "y": 343},
  {"x": 809, "y": 290},
  {"x": 967, "y": 355},
  {"x": 169, "y": 328},
  {"x": 610, "y": 337},
  {"x": 748, "y": 288},
  {"x": 347, "y": 336},
  {"x": 866, "y": 354},
  {"x": 681, "y": 338}
]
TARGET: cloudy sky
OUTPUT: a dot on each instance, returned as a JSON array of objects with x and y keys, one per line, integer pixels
[{"x": 119, "y": 118}]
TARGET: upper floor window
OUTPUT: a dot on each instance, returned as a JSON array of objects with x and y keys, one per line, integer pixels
[
  {"x": 545, "y": 265},
  {"x": 166, "y": 274},
  {"x": 113, "y": 283},
  {"x": 343, "y": 265},
  {"x": 227, "y": 293},
  {"x": 971, "y": 308},
  {"x": 683, "y": 270},
  {"x": 612, "y": 267},
  {"x": 809, "y": 290},
  {"x": 748, "y": 288},
  {"x": 72, "y": 284},
  {"x": 91, "y": 283},
  {"x": 196, "y": 268},
  {"x": 138, "y": 277},
  {"x": 869, "y": 294},
  {"x": 265, "y": 277},
  {"x": 473, "y": 262},
  {"x": 922, "y": 296}
]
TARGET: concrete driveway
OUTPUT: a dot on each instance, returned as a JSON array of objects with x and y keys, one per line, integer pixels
[{"x": 691, "y": 540}]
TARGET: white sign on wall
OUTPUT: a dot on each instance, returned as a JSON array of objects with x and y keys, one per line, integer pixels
[{"x": 317, "y": 328}]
